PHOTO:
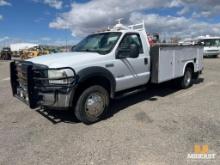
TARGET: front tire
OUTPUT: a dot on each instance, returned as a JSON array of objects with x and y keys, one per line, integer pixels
[
  {"x": 92, "y": 104},
  {"x": 8, "y": 57},
  {"x": 3, "y": 57},
  {"x": 186, "y": 80}
]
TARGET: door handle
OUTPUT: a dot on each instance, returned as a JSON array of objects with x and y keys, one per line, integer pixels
[
  {"x": 109, "y": 65},
  {"x": 145, "y": 61}
]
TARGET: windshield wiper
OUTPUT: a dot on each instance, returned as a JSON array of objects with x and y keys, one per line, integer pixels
[{"x": 90, "y": 50}]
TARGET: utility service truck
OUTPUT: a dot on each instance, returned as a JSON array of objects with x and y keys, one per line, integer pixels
[{"x": 103, "y": 66}]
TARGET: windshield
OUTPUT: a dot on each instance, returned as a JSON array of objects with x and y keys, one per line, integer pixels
[
  {"x": 6, "y": 49},
  {"x": 101, "y": 43},
  {"x": 211, "y": 42}
]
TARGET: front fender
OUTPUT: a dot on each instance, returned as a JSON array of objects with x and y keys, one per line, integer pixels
[{"x": 90, "y": 72}]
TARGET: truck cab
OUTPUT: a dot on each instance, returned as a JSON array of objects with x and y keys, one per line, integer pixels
[{"x": 101, "y": 67}]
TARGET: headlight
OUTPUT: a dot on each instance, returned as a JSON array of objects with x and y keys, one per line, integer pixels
[{"x": 64, "y": 76}]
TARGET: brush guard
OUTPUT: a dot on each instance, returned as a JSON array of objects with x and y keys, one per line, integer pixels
[{"x": 30, "y": 82}]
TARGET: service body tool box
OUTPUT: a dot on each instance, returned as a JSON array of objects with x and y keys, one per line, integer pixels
[{"x": 169, "y": 61}]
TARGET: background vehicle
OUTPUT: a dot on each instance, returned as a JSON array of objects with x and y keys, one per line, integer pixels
[
  {"x": 187, "y": 41},
  {"x": 103, "y": 66},
  {"x": 6, "y": 54},
  {"x": 34, "y": 52},
  {"x": 211, "y": 45}
]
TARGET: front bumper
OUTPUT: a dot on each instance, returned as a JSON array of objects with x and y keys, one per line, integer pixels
[
  {"x": 31, "y": 85},
  {"x": 211, "y": 53}
]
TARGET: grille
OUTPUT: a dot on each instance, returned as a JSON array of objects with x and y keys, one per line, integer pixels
[{"x": 212, "y": 50}]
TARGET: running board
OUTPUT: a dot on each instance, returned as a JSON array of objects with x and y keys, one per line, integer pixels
[{"x": 129, "y": 92}]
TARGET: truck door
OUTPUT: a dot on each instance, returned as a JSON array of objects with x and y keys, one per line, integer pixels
[{"x": 132, "y": 72}]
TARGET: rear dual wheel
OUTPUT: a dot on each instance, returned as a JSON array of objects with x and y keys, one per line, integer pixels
[{"x": 186, "y": 80}]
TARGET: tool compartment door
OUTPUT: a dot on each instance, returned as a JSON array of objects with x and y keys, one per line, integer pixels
[{"x": 166, "y": 64}]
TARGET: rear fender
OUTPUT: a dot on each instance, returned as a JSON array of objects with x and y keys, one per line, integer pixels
[{"x": 185, "y": 65}]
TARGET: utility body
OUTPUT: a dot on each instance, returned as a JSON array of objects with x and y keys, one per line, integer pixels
[{"x": 103, "y": 66}]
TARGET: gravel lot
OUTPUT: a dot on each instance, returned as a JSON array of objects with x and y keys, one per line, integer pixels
[{"x": 156, "y": 127}]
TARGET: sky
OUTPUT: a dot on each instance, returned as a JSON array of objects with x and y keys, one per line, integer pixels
[{"x": 55, "y": 21}]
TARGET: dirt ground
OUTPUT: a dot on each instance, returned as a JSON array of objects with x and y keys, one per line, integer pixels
[{"x": 156, "y": 127}]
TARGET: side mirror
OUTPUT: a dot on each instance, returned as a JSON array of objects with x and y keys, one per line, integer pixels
[
  {"x": 72, "y": 48},
  {"x": 131, "y": 52},
  {"x": 134, "y": 51}
]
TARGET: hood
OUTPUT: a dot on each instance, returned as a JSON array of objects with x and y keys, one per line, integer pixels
[{"x": 66, "y": 59}]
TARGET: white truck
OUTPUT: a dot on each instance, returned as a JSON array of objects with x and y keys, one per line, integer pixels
[
  {"x": 103, "y": 66},
  {"x": 211, "y": 45}
]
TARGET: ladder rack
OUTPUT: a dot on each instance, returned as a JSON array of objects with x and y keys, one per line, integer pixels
[{"x": 138, "y": 27}]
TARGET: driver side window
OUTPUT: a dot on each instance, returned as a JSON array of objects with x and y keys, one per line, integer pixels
[{"x": 130, "y": 39}]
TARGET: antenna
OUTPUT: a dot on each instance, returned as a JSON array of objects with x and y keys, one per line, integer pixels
[
  {"x": 119, "y": 20},
  {"x": 119, "y": 25}
]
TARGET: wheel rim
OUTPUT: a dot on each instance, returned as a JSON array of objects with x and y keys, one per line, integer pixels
[
  {"x": 187, "y": 78},
  {"x": 95, "y": 104}
]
